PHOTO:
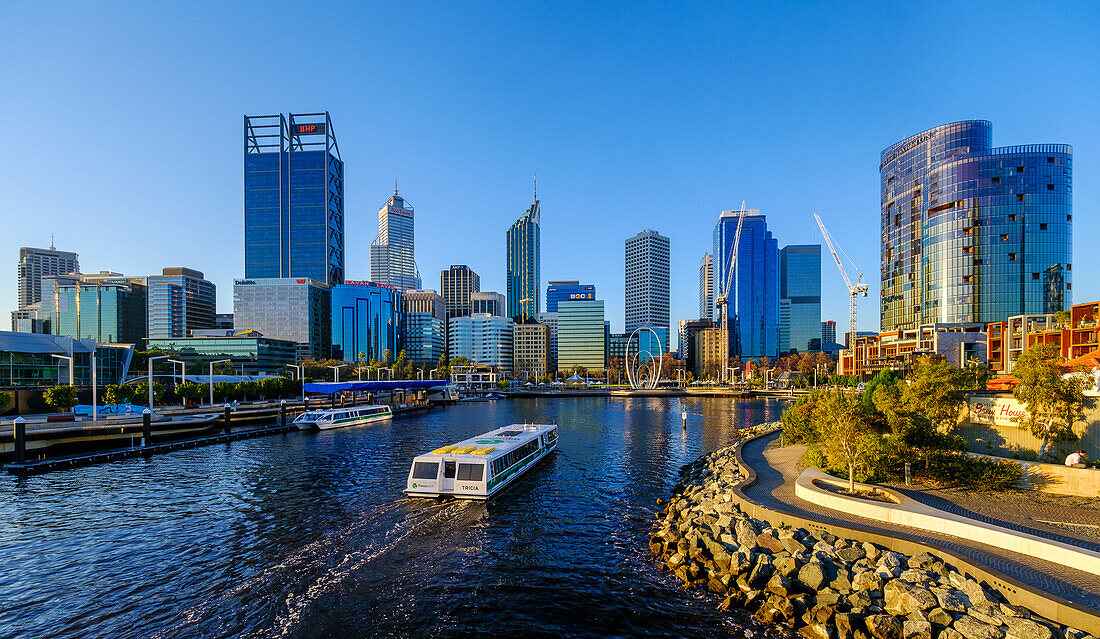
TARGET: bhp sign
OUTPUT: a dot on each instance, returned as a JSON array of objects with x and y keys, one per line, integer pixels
[{"x": 998, "y": 411}]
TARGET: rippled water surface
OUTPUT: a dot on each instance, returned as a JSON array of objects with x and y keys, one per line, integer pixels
[{"x": 309, "y": 535}]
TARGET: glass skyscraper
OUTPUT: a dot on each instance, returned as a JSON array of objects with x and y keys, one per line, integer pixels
[
  {"x": 392, "y": 254},
  {"x": 424, "y": 322},
  {"x": 180, "y": 300},
  {"x": 567, "y": 290},
  {"x": 35, "y": 264},
  {"x": 754, "y": 293},
  {"x": 523, "y": 265},
  {"x": 582, "y": 335},
  {"x": 973, "y": 233},
  {"x": 294, "y": 309},
  {"x": 366, "y": 322},
  {"x": 107, "y": 307},
  {"x": 647, "y": 285},
  {"x": 293, "y": 198},
  {"x": 800, "y": 289}
]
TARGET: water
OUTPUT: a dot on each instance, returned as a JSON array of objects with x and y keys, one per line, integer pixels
[{"x": 309, "y": 535}]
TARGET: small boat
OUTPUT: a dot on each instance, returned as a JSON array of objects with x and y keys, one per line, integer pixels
[
  {"x": 494, "y": 396},
  {"x": 341, "y": 417},
  {"x": 475, "y": 398},
  {"x": 480, "y": 467}
]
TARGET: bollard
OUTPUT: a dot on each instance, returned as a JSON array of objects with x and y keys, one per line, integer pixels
[
  {"x": 146, "y": 427},
  {"x": 20, "y": 440},
  {"x": 228, "y": 409},
  {"x": 332, "y": 400},
  {"x": 306, "y": 401},
  {"x": 908, "y": 476},
  {"x": 684, "y": 415},
  {"x": 282, "y": 413}
]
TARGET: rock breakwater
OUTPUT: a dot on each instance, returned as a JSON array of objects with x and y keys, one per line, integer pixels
[{"x": 822, "y": 586}]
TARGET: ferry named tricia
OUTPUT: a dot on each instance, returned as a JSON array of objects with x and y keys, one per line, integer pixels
[
  {"x": 341, "y": 417},
  {"x": 481, "y": 466}
]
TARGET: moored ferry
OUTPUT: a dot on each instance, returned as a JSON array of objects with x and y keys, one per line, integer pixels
[
  {"x": 341, "y": 417},
  {"x": 480, "y": 467}
]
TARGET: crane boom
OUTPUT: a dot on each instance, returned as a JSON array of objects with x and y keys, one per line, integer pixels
[
  {"x": 723, "y": 298},
  {"x": 832, "y": 249},
  {"x": 854, "y": 290}
]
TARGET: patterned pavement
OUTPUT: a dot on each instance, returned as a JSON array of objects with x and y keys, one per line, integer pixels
[{"x": 777, "y": 469}]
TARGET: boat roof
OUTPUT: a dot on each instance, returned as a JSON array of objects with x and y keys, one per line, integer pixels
[{"x": 502, "y": 440}]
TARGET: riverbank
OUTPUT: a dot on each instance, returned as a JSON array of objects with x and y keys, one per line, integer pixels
[{"x": 823, "y": 586}]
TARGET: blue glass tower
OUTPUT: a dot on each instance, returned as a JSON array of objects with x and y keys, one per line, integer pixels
[
  {"x": 523, "y": 265},
  {"x": 293, "y": 198},
  {"x": 567, "y": 290},
  {"x": 973, "y": 233},
  {"x": 366, "y": 322},
  {"x": 800, "y": 289},
  {"x": 754, "y": 292}
]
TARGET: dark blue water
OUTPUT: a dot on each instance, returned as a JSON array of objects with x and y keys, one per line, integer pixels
[{"x": 309, "y": 535}]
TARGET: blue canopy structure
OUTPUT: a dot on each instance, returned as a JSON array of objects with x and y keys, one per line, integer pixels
[{"x": 328, "y": 388}]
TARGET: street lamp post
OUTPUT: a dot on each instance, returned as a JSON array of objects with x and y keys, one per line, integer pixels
[
  {"x": 300, "y": 369},
  {"x": 70, "y": 360},
  {"x": 183, "y": 377},
  {"x": 210, "y": 378},
  {"x": 95, "y": 396},
  {"x": 151, "y": 360},
  {"x": 336, "y": 372}
]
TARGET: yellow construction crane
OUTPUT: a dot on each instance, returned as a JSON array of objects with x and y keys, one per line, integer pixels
[{"x": 853, "y": 289}]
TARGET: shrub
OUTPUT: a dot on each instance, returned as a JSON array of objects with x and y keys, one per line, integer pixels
[
  {"x": 798, "y": 423},
  {"x": 62, "y": 397},
  {"x": 814, "y": 457}
]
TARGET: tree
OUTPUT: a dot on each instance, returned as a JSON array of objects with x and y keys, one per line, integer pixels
[
  {"x": 141, "y": 392},
  {"x": 846, "y": 435},
  {"x": 935, "y": 391},
  {"x": 974, "y": 375},
  {"x": 1054, "y": 402},
  {"x": 882, "y": 377},
  {"x": 190, "y": 391},
  {"x": 118, "y": 394},
  {"x": 5, "y": 400},
  {"x": 62, "y": 397}
]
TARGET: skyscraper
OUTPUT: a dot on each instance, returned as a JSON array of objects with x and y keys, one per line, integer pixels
[
  {"x": 706, "y": 287},
  {"x": 582, "y": 336},
  {"x": 456, "y": 284},
  {"x": 754, "y": 293},
  {"x": 293, "y": 198},
  {"x": 800, "y": 286},
  {"x": 107, "y": 307},
  {"x": 828, "y": 332},
  {"x": 488, "y": 302},
  {"x": 35, "y": 264},
  {"x": 484, "y": 339},
  {"x": 973, "y": 233},
  {"x": 366, "y": 322},
  {"x": 567, "y": 290},
  {"x": 524, "y": 262},
  {"x": 292, "y": 309},
  {"x": 647, "y": 284},
  {"x": 424, "y": 317},
  {"x": 180, "y": 300},
  {"x": 392, "y": 254}
]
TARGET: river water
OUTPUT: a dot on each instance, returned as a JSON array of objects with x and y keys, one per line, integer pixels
[{"x": 309, "y": 535}]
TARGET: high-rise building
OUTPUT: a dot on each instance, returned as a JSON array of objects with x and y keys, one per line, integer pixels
[
  {"x": 107, "y": 307},
  {"x": 689, "y": 330},
  {"x": 424, "y": 317},
  {"x": 582, "y": 337},
  {"x": 35, "y": 264},
  {"x": 524, "y": 262},
  {"x": 828, "y": 333},
  {"x": 488, "y": 302},
  {"x": 800, "y": 286},
  {"x": 366, "y": 322},
  {"x": 551, "y": 322},
  {"x": 567, "y": 290},
  {"x": 293, "y": 309},
  {"x": 647, "y": 283},
  {"x": 424, "y": 301},
  {"x": 457, "y": 284},
  {"x": 784, "y": 325},
  {"x": 754, "y": 293},
  {"x": 707, "y": 354},
  {"x": 973, "y": 233},
  {"x": 706, "y": 287},
  {"x": 530, "y": 350},
  {"x": 293, "y": 198},
  {"x": 392, "y": 254},
  {"x": 180, "y": 300},
  {"x": 485, "y": 340}
]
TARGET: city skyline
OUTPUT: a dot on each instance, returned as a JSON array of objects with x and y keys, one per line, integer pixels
[{"x": 452, "y": 176}]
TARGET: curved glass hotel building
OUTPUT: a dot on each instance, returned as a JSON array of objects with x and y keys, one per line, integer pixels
[{"x": 973, "y": 233}]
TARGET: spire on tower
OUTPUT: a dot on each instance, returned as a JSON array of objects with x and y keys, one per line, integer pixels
[
  {"x": 395, "y": 187},
  {"x": 536, "y": 184},
  {"x": 52, "y": 248}
]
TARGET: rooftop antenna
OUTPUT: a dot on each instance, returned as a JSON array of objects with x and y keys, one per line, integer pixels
[
  {"x": 395, "y": 187},
  {"x": 51, "y": 243},
  {"x": 536, "y": 183}
]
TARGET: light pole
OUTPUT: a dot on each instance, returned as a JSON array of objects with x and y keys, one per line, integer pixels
[
  {"x": 431, "y": 373},
  {"x": 210, "y": 378},
  {"x": 388, "y": 370},
  {"x": 11, "y": 368},
  {"x": 95, "y": 397},
  {"x": 151, "y": 360},
  {"x": 183, "y": 377},
  {"x": 70, "y": 359},
  {"x": 300, "y": 369},
  {"x": 336, "y": 372}
]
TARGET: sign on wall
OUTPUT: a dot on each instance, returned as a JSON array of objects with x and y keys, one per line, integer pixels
[{"x": 998, "y": 411}]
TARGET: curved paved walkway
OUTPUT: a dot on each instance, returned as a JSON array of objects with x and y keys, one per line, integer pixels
[{"x": 776, "y": 470}]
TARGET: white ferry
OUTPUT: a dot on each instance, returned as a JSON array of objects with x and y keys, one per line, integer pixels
[
  {"x": 341, "y": 417},
  {"x": 481, "y": 466}
]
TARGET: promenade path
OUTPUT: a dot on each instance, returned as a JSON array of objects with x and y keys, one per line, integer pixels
[{"x": 778, "y": 468}]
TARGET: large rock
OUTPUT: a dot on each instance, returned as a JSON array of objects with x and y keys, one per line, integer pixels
[
  {"x": 746, "y": 533},
  {"x": 812, "y": 576},
  {"x": 742, "y": 561},
  {"x": 760, "y": 574},
  {"x": 867, "y": 581},
  {"x": 872, "y": 551},
  {"x": 940, "y": 618},
  {"x": 883, "y": 626},
  {"x": 916, "y": 628},
  {"x": 1020, "y": 628},
  {"x": 769, "y": 542},
  {"x": 847, "y": 624},
  {"x": 787, "y": 565},
  {"x": 790, "y": 543},
  {"x": 952, "y": 600},
  {"x": 780, "y": 585},
  {"x": 817, "y": 631},
  {"x": 902, "y": 598},
  {"x": 841, "y": 579},
  {"x": 971, "y": 628},
  {"x": 851, "y": 554},
  {"x": 989, "y": 613}
]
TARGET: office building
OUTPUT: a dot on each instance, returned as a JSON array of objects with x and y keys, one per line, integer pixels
[
  {"x": 754, "y": 293},
  {"x": 647, "y": 283},
  {"x": 485, "y": 340},
  {"x": 973, "y": 233},
  {"x": 530, "y": 350},
  {"x": 293, "y": 198},
  {"x": 180, "y": 300},
  {"x": 223, "y": 320},
  {"x": 550, "y": 320},
  {"x": 424, "y": 301},
  {"x": 828, "y": 332},
  {"x": 106, "y": 307},
  {"x": 457, "y": 284},
  {"x": 689, "y": 352},
  {"x": 523, "y": 264},
  {"x": 424, "y": 336},
  {"x": 706, "y": 287},
  {"x": 366, "y": 322},
  {"x": 800, "y": 293},
  {"x": 582, "y": 336},
  {"x": 392, "y": 254},
  {"x": 567, "y": 290},
  {"x": 297, "y": 310},
  {"x": 31, "y": 320},
  {"x": 30, "y": 360},
  {"x": 36, "y": 264},
  {"x": 488, "y": 302},
  {"x": 249, "y": 352},
  {"x": 707, "y": 355}
]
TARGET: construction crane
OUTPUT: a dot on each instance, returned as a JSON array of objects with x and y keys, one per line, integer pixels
[
  {"x": 723, "y": 299},
  {"x": 853, "y": 289}
]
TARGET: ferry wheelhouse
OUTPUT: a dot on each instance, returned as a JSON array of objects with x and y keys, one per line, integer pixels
[
  {"x": 341, "y": 417},
  {"x": 480, "y": 467}
]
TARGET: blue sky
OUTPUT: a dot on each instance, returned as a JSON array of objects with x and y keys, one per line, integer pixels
[{"x": 122, "y": 124}]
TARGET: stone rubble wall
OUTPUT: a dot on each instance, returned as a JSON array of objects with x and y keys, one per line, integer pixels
[{"x": 820, "y": 585}]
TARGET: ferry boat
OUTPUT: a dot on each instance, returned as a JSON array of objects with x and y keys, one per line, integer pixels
[
  {"x": 480, "y": 467},
  {"x": 341, "y": 417}
]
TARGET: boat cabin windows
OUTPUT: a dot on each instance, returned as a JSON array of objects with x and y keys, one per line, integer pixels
[
  {"x": 550, "y": 437},
  {"x": 506, "y": 461},
  {"x": 471, "y": 472},
  {"x": 425, "y": 470},
  {"x": 449, "y": 470}
]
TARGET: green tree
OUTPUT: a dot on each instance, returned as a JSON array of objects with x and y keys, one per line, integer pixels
[
  {"x": 882, "y": 377},
  {"x": 191, "y": 392},
  {"x": 1054, "y": 403},
  {"x": 846, "y": 434},
  {"x": 118, "y": 394},
  {"x": 798, "y": 420},
  {"x": 247, "y": 389},
  {"x": 974, "y": 375},
  {"x": 141, "y": 392},
  {"x": 934, "y": 391},
  {"x": 5, "y": 400},
  {"x": 62, "y": 397},
  {"x": 225, "y": 391}
]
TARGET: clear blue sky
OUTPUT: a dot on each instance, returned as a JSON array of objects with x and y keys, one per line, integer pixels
[{"x": 122, "y": 124}]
